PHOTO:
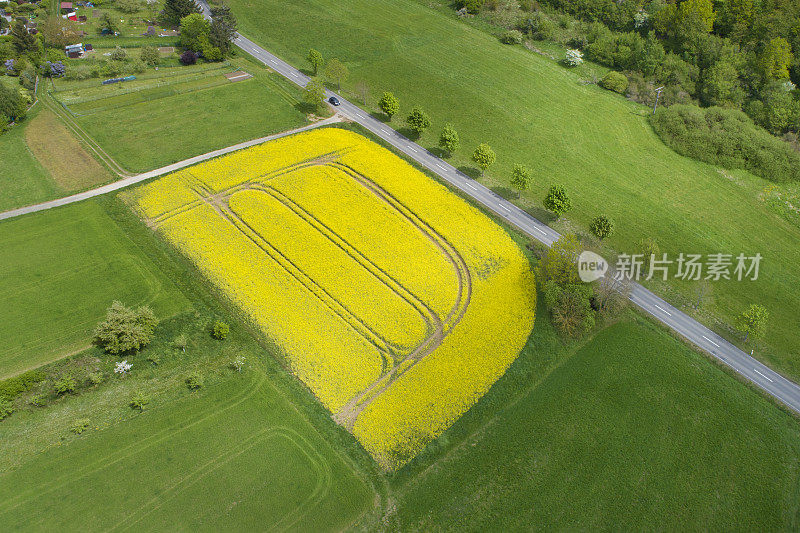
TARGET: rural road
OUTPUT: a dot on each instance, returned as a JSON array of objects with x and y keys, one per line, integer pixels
[{"x": 784, "y": 390}]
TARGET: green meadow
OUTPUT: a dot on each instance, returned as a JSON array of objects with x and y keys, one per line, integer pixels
[{"x": 61, "y": 269}]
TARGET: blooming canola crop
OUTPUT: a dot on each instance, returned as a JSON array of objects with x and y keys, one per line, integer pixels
[{"x": 392, "y": 299}]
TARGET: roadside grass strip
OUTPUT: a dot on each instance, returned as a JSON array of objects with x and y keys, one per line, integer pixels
[{"x": 394, "y": 301}]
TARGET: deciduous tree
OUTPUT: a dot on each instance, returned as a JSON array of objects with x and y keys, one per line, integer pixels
[
  {"x": 520, "y": 178},
  {"x": 560, "y": 262},
  {"x": 315, "y": 58},
  {"x": 59, "y": 32},
  {"x": 194, "y": 32},
  {"x": 557, "y": 200},
  {"x": 448, "y": 140},
  {"x": 125, "y": 329},
  {"x": 484, "y": 157},
  {"x": 389, "y": 104},
  {"x": 336, "y": 71},
  {"x": 314, "y": 94},
  {"x": 753, "y": 321},
  {"x": 418, "y": 120}
]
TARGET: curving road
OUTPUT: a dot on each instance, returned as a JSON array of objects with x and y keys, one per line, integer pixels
[{"x": 774, "y": 384}]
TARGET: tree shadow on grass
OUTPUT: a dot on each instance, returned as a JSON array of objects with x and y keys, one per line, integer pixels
[
  {"x": 505, "y": 192},
  {"x": 408, "y": 133},
  {"x": 307, "y": 108},
  {"x": 438, "y": 152},
  {"x": 541, "y": 214},
  {"x": 380, "y": 115},
  {"x": 308, "y": 72},
  {"x": 470, "y": 172}
]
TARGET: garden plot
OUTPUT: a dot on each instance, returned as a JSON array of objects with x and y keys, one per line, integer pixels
[{"x": 393, "y": 300}]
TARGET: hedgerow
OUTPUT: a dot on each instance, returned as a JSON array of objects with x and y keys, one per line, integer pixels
[{"x": 726, "y": 137}]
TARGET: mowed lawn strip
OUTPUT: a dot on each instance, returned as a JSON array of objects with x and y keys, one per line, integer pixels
[
  {"x": 70, "y": 166},
  {"x": 62, "y": 269},
  {"x": 186, "y": 120},
  {"x": 634, "y": 431},
  {"x": 534, "y": 112},
  {"x": 23, "y": 180}
]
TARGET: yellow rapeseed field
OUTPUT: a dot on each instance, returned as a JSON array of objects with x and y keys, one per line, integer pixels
[{"x": 396, "y": 302}]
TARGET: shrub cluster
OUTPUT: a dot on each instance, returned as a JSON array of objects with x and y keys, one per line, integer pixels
[
  {"x": 125, "y": 329},
  {"x": 512, "y": 37},
  {"x": 726, "y": 137},
  {"x": 10, "y": 388},
  {"x": 614, "y": 81}
]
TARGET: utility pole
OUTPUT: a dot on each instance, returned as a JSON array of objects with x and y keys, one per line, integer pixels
[{"x": 658, "y": 95}]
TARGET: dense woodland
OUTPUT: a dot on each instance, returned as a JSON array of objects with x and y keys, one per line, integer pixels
[{"x": 742, "y": 54}]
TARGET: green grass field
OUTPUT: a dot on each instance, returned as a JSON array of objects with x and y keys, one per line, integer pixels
[
  {"x": 180, "y": 112},
  {"x": 62, "y": 269},
  {"x": 535, "y": 112},
  {"x": 23, "y": 180},
  {"x": 163, "y": 117},
  {"x": 236, "y": 455},
  {"x": 632, "y": 432}
]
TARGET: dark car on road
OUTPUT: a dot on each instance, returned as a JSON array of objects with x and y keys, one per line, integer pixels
[{"x": 333, "y": 100}]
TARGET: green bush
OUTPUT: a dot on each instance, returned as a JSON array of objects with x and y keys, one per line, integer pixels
[
  {"x": 5, "y": 408},
  {"x": 125, "y": 329},
  {"x": 602, "y": 226},
  {"x": 150, "y": 55},
  {"x": 11, "y": 387},
  {"x": 139, "y": 401},
  {"x": 194, "y": 381},
  {"x": 96, "y": 378},
  {"x": 726, "y": 137},
  {"x": 472, "y": 6},
  {"x": 512, "y": 37},
  {"x": 119, "y": 54},
  {"x": 79, "y": 426},
  {"x": 537, "y": 26},
  {"x": 220, "y": 330},
  {"x": 614, "y": 81},
  {"x": 40, "y": 400},
  {"x": 64, "y": 385}
]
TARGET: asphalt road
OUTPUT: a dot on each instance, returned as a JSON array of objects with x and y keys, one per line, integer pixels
[{"x": 763, "y": 377}]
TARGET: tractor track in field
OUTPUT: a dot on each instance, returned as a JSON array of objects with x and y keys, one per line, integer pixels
[
  {"x": 403, "y": 360},
  {"x": 347, "y": 415}
]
